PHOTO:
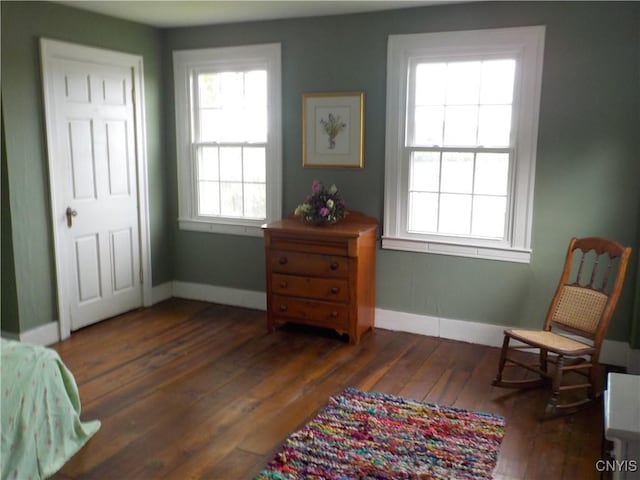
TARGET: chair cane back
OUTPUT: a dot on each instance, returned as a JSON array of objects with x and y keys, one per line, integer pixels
[{"x": 575, "y": 325}]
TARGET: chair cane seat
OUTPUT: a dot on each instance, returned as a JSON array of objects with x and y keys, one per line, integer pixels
[{"x": 550, "y": 341}]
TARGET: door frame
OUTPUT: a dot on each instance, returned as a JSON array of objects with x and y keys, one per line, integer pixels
[{"x": 54, "y": 49}]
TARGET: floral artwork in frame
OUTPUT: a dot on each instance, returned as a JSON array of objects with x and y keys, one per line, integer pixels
[{"x": 333, "y": 130}]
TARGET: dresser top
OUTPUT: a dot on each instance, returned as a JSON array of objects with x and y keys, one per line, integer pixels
[{"x": 353, "y": 225}]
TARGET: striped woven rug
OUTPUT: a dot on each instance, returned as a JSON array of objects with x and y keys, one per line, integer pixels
[{"x": 366, "y": 436}]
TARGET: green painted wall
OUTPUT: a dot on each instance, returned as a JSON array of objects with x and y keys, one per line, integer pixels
[
  {"x": 586, "y": 179},
  {"x": 9, "y": 297},
  {"x": 23, "y": 23},
  {"x": 588, "y": 153}
]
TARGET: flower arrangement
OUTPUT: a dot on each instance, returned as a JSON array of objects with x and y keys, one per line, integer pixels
[{"x": 324, "y": 205}]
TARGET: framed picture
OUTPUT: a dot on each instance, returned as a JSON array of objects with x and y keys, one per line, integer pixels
[{"x": 333, "y": 130}]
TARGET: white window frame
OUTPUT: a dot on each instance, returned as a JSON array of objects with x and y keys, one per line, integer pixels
[
  {"x": 186, "y": 63},
  {"x": 526, "y": 44}
]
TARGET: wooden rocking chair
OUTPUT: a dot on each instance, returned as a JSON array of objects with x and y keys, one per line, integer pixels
[{"x": 575, "y": 325}]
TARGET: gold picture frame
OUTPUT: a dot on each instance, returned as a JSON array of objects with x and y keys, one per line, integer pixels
[{"x": 333, "y": 130}]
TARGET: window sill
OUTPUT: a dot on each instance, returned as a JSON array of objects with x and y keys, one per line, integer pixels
[
  {"x": 504, "y": 254},
  {"x": 245, "y": 229}
]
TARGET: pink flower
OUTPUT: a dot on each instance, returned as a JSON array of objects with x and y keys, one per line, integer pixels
[
  {"x": 315, "y": 186},
  {"x": 324, "y": 211}
]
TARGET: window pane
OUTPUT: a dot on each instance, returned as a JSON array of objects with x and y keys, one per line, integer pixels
[
  {"x": 431, "y": 83},
  {"x": 254, "y": 160},
  {"x": 460, "y": 127},
  {"x": 211, "y": 124},
  {"x": 488, "y": 216},
  {"x": 492, "y": 173},
  {"x": 255, "y": 87},
  {"x": 455, "y": 214},
  {"x": 233, "y": 106},
  {"x": 208, "y": 198},
  {"x": 228, "y": 125},
  {"x": 232, "y": 88},
  {"x": 425, "y": 171},
  {"x": 423, "y": 212},
  {"x": 209, "y": 90},
  {"x": 231, "y": 199},
  {"x": 231, "y": 164},
  {"x": 463, "y": 83},
  {"x": 255, "y": 200},
  {"x": 233, "y": 124},
  {"x": 208, "y": 163},
  {"x": 457, "y": 173},
  {"x": 428, "y": 126},
  {"x": 494, "y": 125},
  {"x": 255, "y": 125},
  {"x": 497, "y": 81}
]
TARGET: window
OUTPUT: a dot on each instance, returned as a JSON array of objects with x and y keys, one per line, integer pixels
[
  {"x": 228, "y": 138},
  {"x": 462, "y": 116}
]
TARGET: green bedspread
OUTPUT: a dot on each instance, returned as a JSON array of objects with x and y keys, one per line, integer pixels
[{"x": 40, "y": 410}]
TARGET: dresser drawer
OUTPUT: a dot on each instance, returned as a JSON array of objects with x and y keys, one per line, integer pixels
[
  {"x": 331, "y": 289},
  {"x": 308, "y": 264},
  {"x": 311, "y": 312}
]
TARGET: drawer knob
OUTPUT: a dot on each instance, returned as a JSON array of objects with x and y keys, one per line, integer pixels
[
  {"x": 283, "y": 307},
  {"x": 283, "y": 284},
  {"x": 335, "y": 290},
  {"x": 334, "y": 266},
  {"x": 282, "y": 260},
  {"x": 334, "y": 314}
]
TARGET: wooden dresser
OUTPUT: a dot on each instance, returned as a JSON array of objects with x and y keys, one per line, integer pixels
[{"x": 322, "y": 275}]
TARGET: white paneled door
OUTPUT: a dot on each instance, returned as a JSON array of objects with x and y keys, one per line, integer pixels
[{"x": 93, "y": 166}]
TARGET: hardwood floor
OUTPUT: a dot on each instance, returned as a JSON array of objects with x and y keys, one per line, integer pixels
[{"x": 194, "y": 390}]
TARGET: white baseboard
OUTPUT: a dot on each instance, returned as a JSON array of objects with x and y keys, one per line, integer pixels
[
  {"x": 49, "y": 333},
  {"x": 461, "y": 330},
  {"x": 224, "y": 295},
  {"x": 633, "y": 362},
  {"x": 161, "y": 292},
  {"x": 9, "y": 335},
  {"x": 613, "y": 352},
  {"x": 42, "y": 335}
]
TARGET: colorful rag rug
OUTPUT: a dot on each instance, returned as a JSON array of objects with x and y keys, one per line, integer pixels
[{"x": 366, "y": 436}]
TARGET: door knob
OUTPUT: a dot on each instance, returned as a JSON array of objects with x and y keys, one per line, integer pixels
[{"x": 70, "y": 213}]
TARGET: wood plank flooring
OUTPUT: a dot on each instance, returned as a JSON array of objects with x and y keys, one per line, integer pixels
[{"x": 191, "y": 390}]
